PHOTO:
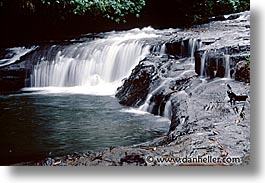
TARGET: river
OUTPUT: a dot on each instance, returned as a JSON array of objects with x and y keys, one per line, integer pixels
[
  {"x": 37, "y": 125},
  {"x": 68, "y": 104},
  {"x": 65, "y": 99}
]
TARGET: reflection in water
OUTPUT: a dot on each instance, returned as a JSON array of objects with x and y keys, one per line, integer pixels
[{"x": 36, "y": 126}]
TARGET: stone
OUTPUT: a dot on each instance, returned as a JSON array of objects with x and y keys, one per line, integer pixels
[
  {"x": 242, "y": 71},
  {"x": 48, "y": 162}
]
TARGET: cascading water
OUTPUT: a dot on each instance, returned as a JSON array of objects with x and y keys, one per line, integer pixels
[
  {"x": 203, "y": 58},
  {"x": 168, "y": 110},
  {"x": 147, "y": 106},
  {"x": 97, "y": 66},
  {"x": 194, "y": 44},
  {"x": 182, "y": 48},
  {"x": 160, "y": 49},
  {"x": 227, "y": 66},
  {"x": 219, "y": 66},
  {"x": 163, "y": 49}
]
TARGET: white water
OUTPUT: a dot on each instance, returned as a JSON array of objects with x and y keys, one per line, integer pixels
[
  {"x": 163, "y": 49},
  {"x": 14, "y": 55},
  {"x": 148, "y": 106},
  {"x": 227, "y": 66},
  {"x": 160, "y": 49},
  {"x": 182, "y": 48},
  {"x": 96, "y": 67},
  {"x": 168, "y": 110},
  {"x": 203, "y": 63},
  {"x": 134, "y": 111},
  {"x": 192, "y": 45}
]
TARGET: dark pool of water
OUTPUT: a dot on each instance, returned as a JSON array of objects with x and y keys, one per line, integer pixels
[{"x": 33, "y": 127}]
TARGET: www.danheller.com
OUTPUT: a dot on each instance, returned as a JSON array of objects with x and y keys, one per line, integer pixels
[{"x": 206, "y": 160}]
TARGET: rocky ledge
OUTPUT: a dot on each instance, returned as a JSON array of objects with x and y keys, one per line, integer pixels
[{"x": 201, "y": 83}]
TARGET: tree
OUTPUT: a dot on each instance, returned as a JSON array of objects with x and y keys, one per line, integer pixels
[
  {"x": 116, "y": 10},
  {"x": 221, "y": 7}
]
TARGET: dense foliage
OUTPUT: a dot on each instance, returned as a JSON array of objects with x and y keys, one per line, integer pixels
[
  {"x": 214, "y": 7},
  {"x": 193, "y": 11},
  {"x": 49, "y": 19},
  {"x": 112, "y": 9},
  {"x": 118, "y": 10}
]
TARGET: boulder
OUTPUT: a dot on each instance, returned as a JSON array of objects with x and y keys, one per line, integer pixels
[
  {"x": 136, "y": 88},
  {"x": 242, "y": 72}
]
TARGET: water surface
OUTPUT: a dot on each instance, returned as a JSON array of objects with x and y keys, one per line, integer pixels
[{"x": 34, "y": 126}]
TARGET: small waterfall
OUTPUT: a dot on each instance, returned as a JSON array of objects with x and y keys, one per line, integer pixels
[
  {"x": 191, "y": 48},
  {"x": 227, "y": 66},
  {"x": 148, "y": 106},
  {"x": 203, "y": 58},
  {"x": 168, "y": 110},
  {"x": 163, "y": 49},
  {"x": 96, "y": 63},
  {"x": 182, "y": 48},
  {"x": 194, "y": 44},
  {"x": 156, "y": 49}
]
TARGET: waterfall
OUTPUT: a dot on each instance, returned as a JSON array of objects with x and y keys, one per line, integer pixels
[
  {"x": 94, "y": 64},
  {"x": 148, "y": 105},
  {"x": 193, "y": 45},
  {"x": 161, "y": 49},
  {"x": 223, "y": 66},
  {"x": 227, "y": 66},
  {"x": 182, "y": 48},
  {"x": 167, "y": 111},
  {"x": 203, "y": 58},
  {"x": 191, "y": 48}
]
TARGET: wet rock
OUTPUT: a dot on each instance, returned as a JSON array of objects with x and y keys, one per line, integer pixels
[
  {"x": 48, "y": 162},
  {"x": 178, "y": 47},
  {"x": 179, "y": 109},
  {"x": 135, "y": 89},
  {"x": 133, "y": 158},
  {"x": 217, "y": 18},
  {"x": 11, "y": 80},
  {"x": 242, "y": 71},
  {"x": 162, "y": 75},
  {"x": 230, "y": 38}
]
